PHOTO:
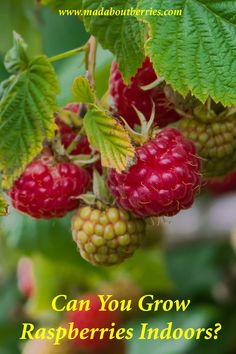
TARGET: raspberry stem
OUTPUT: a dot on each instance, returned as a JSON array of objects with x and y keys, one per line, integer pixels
[
  {"x": 153, "y": 84},
  {"x": 208, "y": 104},
  {"x": 85, "y": 160},
  {"x": 231, "y": 111},
  {"x": 69, "y": 53},
  {"x": 90, "y": 60},
  {"x": 74, "y": 142}
]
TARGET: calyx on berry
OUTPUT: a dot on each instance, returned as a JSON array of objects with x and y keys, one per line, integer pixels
[{"x": 70, "y": 138}]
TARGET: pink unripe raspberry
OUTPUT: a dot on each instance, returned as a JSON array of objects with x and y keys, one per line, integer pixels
[{"x": 25, "y": 277}]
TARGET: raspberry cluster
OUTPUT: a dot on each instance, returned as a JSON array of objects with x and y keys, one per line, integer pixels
[{"x": 163, "y": 179}]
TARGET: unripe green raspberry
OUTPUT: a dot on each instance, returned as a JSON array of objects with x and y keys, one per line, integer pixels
[
  {"x": 106, "y": 237},
  {"x": 215, "y": 140}
]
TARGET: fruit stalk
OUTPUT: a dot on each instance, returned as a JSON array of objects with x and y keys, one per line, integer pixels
[
  {"x": 91, "y": 60},
  {"x": 68, "y": 54}
]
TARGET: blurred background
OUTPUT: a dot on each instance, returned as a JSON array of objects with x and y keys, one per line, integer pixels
[{"x": 190, "y": 256}]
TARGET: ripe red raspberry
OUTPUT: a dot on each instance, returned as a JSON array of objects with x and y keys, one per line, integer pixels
[
  {"x": 48, "y": 189},
  {"x": 222, "y": 185},
  {"x": 164, "y": 180},
  {"x": 125, "y": 96},
  {"x": 94, "y": 319}
]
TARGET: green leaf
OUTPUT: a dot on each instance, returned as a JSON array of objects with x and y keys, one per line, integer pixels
[
  {"x": 110, "y": 138},
  {"x": 195, "y": 51},
  {"x": 82, "y": 90},
  {"x": 26, "y": 117},
  {"x": 16, "y": 58},
  {"x": 122, "y": 35},
  {"x": 3, "y": 206},
  {"x": 204, "y": 273},
  {"x": 5, "y": 85}
]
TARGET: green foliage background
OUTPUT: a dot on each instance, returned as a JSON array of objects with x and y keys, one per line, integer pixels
[{"x": 188, "y": 270}]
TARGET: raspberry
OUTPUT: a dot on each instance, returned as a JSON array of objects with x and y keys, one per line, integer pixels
[
  {"x": 25, "y": 277},
  {"x": 125, "y": 96},
  {"x": 215, "y": 141},
  {"x": 106, "y": 237},
  {"x": 73, "y": 107},
  {"x": 222, "y": 185},
  {"x": 94, "y": 319},
  {"x": 48, "y": 188},
  {"x": 164, "y": 179}
]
